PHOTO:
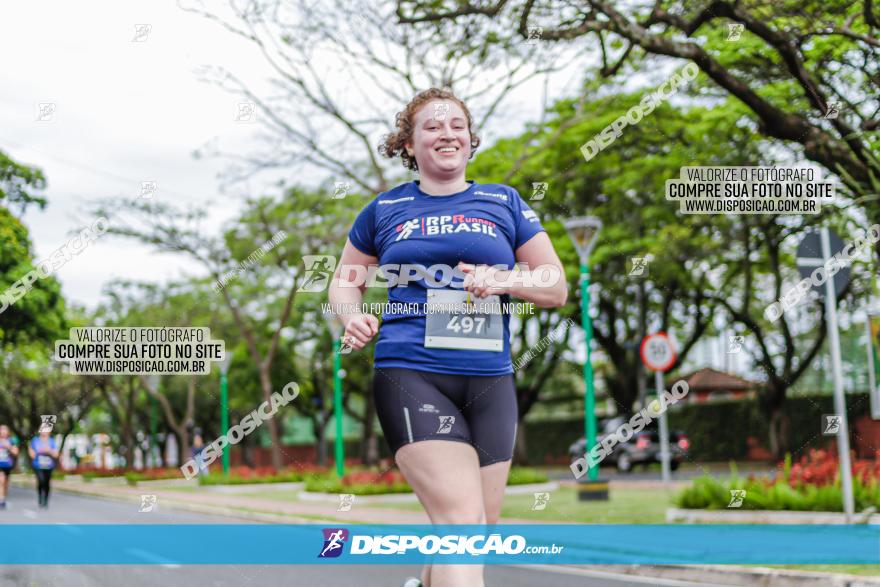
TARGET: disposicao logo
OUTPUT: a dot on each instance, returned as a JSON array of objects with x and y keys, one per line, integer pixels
[{"x": 334, "y": 540}]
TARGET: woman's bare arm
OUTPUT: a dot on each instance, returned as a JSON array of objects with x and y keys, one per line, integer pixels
[
  {"x": 539, "y": 252},
  {"x": 347, "y": 293}
]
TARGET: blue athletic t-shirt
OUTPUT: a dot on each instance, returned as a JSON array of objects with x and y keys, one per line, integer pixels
[
  {"x": 484, "y": 224},
  {"x": 6, "y": 445},
  {"x": 43, "y": 461}
]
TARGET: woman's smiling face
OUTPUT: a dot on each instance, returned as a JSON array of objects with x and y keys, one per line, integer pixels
[{"x": 441, "y": 141}]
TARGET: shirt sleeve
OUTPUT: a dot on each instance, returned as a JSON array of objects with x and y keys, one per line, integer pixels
[
  {"x": 363, "y": 232},
  {"x": 525, "y": 221}
]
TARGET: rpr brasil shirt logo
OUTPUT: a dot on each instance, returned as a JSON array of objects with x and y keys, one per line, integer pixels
[{"x": 431, "y": 225}]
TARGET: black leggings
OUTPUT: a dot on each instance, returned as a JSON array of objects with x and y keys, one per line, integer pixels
[
  {"x": 44, "y": 476},
  {"x": 479, "y": 410}
]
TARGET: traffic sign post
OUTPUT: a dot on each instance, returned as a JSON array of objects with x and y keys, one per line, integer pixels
[
  {"x": 336, "y": 331},
  {"x": 583, "y": 232},
  {"x": 658, "y": 355},
  {"x": 813, "y": 252},
  {"x": 224, "y": 404}
]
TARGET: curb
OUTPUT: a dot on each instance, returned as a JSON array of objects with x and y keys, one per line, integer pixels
[{"x": 767, "y": 517}]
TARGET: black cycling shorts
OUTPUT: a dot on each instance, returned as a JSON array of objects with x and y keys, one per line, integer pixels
[{"x": 417, "y": 405}]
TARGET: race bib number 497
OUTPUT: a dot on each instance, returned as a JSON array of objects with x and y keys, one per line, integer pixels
[{"x": 452, "y": 322}]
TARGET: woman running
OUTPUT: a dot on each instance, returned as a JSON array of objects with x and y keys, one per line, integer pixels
[
  {"x": 44, "y": 455},
  {"x": 443, "y": 380},
  {"x": 8, "y": 452}
]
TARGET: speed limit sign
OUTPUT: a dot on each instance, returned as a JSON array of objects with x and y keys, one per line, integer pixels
[{"x": 657, "y": 352}]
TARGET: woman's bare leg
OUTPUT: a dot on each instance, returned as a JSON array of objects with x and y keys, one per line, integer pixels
[
  {"x": 494, "y": 480},
  {"x": 446, "y": 477}
]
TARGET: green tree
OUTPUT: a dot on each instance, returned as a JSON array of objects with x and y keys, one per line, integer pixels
[
  {"x": 256, "y": 284},
  {"x": 20, "y": 183},
  {"x": 806, "y": 71},
  {"x": 28, "y": 312}
]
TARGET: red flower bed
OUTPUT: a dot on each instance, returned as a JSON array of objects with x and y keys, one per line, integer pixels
[
  {"x": 821, "y": 467},
  {"x": 245, "y": 472},
  {"x": 387, "y": 477}
]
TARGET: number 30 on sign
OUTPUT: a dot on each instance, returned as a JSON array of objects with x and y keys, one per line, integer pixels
[{"x": 657, "y": 352}]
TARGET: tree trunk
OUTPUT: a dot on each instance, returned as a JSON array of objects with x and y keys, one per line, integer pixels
[
  {"x": 318, "y": 428},
  {"x": 183, "y": 448},
  {"x": 163, "y": 445},
  {"x": 779, "y": 436},
  {"x": 272, "y": 423},
  {"x": 247, "y": 453},
  {"x": 369, "y": 444},
  {"x": 61, "y": 447}
]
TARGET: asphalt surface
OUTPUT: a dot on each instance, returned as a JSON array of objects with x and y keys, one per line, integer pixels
[{"x": 76, "y": 509}]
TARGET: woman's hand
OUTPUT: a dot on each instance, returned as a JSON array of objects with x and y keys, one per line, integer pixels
[
  {"x": 359, "y": 329},
  {"x": 485, "y": 280}
]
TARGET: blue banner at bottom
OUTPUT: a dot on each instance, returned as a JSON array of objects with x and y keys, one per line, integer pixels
[{"x": 221, "y": 544}]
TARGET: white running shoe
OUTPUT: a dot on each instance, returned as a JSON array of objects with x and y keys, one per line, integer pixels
[{"x": 413, "y": 582}]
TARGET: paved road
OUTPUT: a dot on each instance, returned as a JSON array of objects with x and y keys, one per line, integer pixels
[{"x": 76, "y": 509}]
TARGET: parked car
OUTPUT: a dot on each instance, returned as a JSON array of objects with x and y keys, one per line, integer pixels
[{"x": 642, "y": 449}]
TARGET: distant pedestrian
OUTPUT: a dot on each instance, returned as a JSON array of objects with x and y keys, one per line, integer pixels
[
  {"x": 8, "y": 453},
  {"x": 197, "y": 447},
  {"x": 44, "y": 456}
]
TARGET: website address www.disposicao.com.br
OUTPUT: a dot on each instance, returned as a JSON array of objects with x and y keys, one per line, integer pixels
[{"x": 335, "y": 540}]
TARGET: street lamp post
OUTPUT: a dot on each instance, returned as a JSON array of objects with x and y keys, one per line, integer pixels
[
  {"x": 583, "y": 232},
  {"x": 336, "y": 331},
  {"x": 224, "y": 405}
]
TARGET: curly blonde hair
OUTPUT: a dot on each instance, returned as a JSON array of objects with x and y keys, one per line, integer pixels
[{"x": 394, "y": 144}]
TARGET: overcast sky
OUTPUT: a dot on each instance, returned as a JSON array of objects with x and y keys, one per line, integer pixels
[{"x": 125, "y": 111}]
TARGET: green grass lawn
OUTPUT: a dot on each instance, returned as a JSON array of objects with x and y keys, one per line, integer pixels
[{"x": 626, "y": 506}]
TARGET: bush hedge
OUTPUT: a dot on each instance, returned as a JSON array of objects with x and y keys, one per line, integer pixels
[
  {"x": 718, "y": 430},
  {"x": 813, "y": 484}
]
